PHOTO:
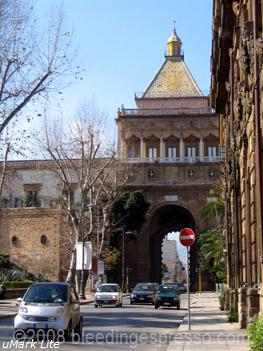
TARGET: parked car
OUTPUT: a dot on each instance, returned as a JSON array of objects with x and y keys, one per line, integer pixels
[
  {"x": 2, "y": 291},
  {"x": 181, "y": 286},
  {"x": 168, "y": 295},
  {"x": 50, "y": 307},
  {"x": 144, "y": 293},
  {"x": 108, "y": 294}
]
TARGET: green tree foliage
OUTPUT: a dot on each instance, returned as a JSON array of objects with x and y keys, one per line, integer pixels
[
  {"x": 214, "y": 207},
  {"x": 255, "y": 334},
  {"x": 211, "y": 256},
  {"x": 211, "y": 244},
  {"x": 129, "y": 211},
  {"x": 111, "y": 258}
]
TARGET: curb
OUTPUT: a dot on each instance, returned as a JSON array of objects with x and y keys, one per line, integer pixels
[{"x": 185, "y": 319}]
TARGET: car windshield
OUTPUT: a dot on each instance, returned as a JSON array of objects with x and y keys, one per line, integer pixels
[
  {"x": 46, "y": 293},
  {"x": 143, "y": 287},
  {"x": 168, "y": 288},
  {"x": 107, "y": 288}
]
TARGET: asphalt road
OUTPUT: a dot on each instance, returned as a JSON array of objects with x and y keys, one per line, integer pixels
[{"x": 132, "y": 327}]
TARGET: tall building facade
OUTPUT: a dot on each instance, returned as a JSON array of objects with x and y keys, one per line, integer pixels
[
  {"x": 172, "y": 139},
  {"x": 236, "y": 95}
]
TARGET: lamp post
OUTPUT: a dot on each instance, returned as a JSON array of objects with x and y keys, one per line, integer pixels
[
  {"x": 82, "y": 285},
  {"x": 123, "y": 259}
]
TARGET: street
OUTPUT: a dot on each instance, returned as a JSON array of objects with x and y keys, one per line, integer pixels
[{"x": 139, "y": 327}]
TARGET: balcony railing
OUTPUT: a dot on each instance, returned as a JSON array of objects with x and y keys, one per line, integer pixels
[
  {"x": 23, "y": 203},
  {"x": 134, "y": 112},
  {"x": 174, "y": 159}
]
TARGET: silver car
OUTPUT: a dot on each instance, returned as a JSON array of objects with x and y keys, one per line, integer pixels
[
  {"x": 108, "y": 294},
  {"x": 49, "y": 307}
]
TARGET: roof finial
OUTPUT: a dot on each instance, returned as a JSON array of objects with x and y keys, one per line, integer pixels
[
  {"x": 174, "y": 25},
  {"x": 174, "y": 44}
]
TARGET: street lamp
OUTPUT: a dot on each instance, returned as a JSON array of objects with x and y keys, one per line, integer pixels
[
  {"x": 123, "y": 258},
  {"x": 82, "y": 285}
]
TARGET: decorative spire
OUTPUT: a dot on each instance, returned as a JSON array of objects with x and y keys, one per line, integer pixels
[{"x": 174, "y": 44}]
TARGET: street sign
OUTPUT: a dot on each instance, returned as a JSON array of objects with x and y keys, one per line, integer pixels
[
  {"x": 187, "y": 237},
  {"x": 84, "y": 255},
  {"x": 101, "y": 270}
]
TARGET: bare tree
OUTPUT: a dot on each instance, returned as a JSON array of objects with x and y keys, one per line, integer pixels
[
  {"x": 82, "y": 162},
  {"x": 32, "y": 63}
]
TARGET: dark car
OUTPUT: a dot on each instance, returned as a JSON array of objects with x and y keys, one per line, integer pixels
[
  {"x": 143, "y": 293},
  {"x": 2, "y": 291},
  {"x": 181, "y": 286},
  {"x": 168, "y": 295}
]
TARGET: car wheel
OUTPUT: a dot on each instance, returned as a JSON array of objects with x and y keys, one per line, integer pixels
[
  {"x": 178, "y": 306},
  {"x": 79, "y": 327},
  {"x": 96, "y": 306},
  {"x": 156, "y": 307},
  {"x": 131, "y": 302}
]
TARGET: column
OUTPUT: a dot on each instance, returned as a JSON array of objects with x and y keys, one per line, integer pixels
[
  {"x": 142, "y": 148},
  {"x": 162, "y": 148},
  {"x": 181, "y": 149},
  {"x": 122, "y": 154},
  {"x": 201, "y": 149}
]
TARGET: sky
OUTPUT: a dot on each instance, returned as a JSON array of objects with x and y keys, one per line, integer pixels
[{"x": 121, "y": 45}]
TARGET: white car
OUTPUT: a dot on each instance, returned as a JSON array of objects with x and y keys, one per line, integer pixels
[
  {"x": 108, "y": 294},
  {"x": 49, "y": 307}
]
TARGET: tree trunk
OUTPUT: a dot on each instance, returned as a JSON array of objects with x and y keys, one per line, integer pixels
[{"x": 72, "y": 269}]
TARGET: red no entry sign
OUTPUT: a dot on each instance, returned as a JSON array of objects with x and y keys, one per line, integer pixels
[{"x": 187, "y": 237}]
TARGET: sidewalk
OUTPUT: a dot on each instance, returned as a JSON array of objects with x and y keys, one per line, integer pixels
[{"x": 210, "y": 329}]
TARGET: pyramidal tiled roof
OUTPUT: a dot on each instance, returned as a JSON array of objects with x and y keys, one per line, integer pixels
[{"x": 173, "y": 80}]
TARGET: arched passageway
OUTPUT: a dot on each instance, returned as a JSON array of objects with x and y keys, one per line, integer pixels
[{"x": 168, "y": 218}]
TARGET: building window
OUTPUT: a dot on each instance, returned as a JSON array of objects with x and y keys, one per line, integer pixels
[
  {"x": 212, "y": 152},
  {"x": 43, "y": 239},
  {"x": 132, "y": 153},
  {"x": 152, "y": 152},
  {"x": 32, "y": 198},
  {"x": 172, "y": 152},
  {"x": 14, "y": 240},
  {"x": 191, "y": 152}
]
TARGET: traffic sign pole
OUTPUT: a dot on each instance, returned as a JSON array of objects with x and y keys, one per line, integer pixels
[
  {"x": 188, "y": 288},
  {"x": 187, "y": 238}
]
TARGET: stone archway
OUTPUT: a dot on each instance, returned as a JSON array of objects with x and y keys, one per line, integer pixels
[{"x": 168, "y": 218}]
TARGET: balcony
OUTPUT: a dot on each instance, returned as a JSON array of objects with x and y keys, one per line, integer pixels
[
  {"x": 134, "y": 112},
  {"x": 175, "y": 160},
  {"x": 19, "y": 202}
]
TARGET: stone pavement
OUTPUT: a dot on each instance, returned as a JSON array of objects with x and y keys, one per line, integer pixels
[{"x": 210, "y": 329}]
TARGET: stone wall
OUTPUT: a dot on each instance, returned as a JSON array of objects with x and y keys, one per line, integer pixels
[{"x": 26, "y": 226}]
